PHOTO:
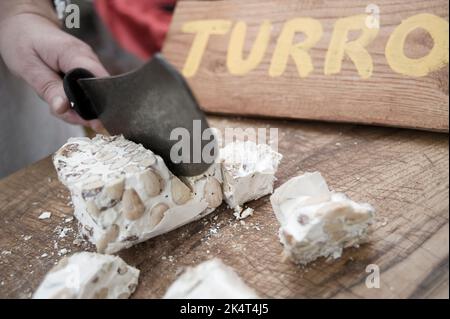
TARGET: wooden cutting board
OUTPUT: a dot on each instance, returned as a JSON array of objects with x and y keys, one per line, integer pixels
[
  {"x": 383, "y": 64},
  {"x": 402, "y": 173}
]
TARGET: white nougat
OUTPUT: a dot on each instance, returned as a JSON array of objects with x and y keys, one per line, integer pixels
[
  {"x": 248, "y": 171},
  {"x": 316, "y": 222},
  {"x": 124, "y": 194},
  {"x": 88, "y": 275},
  {"x": 210, "y": 280}
]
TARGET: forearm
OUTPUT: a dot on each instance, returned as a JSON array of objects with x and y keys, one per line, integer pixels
[{"x": 43, "y": 8}]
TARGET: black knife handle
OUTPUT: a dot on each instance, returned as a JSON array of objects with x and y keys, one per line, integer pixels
[{"x": 78, "y": 99}]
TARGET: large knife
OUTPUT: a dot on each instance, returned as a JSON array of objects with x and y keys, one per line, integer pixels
[{"x": 146, "y": 106}]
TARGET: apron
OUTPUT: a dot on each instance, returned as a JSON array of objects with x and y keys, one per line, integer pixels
[
  {"x": 28, "y": 132},
  {"x": 139, "y": 26}
]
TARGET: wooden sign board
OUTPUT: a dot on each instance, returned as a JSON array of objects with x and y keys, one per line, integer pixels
[{"x": 384, "y": 63}]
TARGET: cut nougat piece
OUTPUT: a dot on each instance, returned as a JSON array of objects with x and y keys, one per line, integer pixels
[
  {"x": 210, "y": 280},
  {"x": 88, "y": 275},
  {"x": 248, "y": 171},
  {"x": 316, "y": 222},
  {"x": 122, "y": 193}
]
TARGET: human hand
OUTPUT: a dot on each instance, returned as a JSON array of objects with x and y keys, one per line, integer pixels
[{"x": 35, "y": 49}]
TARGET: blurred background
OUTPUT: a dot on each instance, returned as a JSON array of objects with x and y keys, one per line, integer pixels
[{"x": 29, "y": 131}]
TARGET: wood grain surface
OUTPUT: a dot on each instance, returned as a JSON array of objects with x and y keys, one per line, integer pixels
[
  {"x": 403, "y": 173},
  {"x": 386, "y": 98}
]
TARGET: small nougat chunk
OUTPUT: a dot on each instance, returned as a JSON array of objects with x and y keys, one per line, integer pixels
[
  {"x": 248, "y": 171},
  {"x": 88, "y": 275},
  {"x": 316, "y": 222},
  {"x": 210, "y": 280}
]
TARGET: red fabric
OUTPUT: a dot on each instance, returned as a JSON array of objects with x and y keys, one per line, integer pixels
[{"x": 139, "y": 26}]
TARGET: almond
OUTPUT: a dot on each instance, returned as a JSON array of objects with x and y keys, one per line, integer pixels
[
  {"x": 104, "y": 156},
  {"x": 115, "y": 189},
  {"x": 152, "y": 182},
  {"x": 157, "y": 214},
  {"x": 213, "y": 192},
  {"x": 109, "y": 236},
  {"x": 119, "y": 163},
  {"x": 180, "y": 192},
  {"x": 92, "y": 208},
  {"x": 132, "y": 205}
]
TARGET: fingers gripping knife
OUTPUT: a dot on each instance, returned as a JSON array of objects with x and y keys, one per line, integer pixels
[{"x": 145, "y": 105}]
